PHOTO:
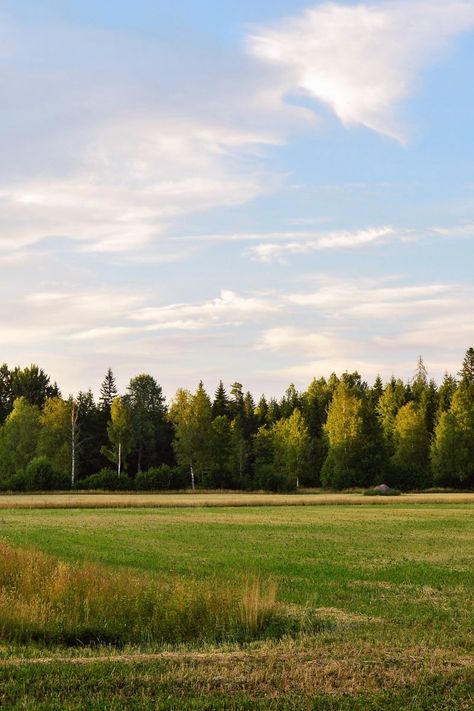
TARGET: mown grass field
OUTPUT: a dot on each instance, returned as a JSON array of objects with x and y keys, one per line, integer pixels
[{"x": 392, "y": 584}]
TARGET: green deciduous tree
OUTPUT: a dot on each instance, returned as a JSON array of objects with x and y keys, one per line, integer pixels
[
  {"x": 191, "y": 416},
  {"x": 410, "y": 460},
  {"x": 33, "y": 384},
  {"x": 54, "y": 439},
  {"x": 452, "y": 452},
  {"x": 19, "y": 438},
  {"x": 119, "y": 431}
]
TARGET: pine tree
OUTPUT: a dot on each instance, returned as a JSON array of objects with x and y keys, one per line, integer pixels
[{"x": 108, "y": 392}]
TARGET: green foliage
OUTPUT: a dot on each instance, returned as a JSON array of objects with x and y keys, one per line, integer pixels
[
  {"x": 54, "y": 439},
  {"x": 452, "y": 452},
  {"x": 410, "y": 461},
  {"x": 146, "y": 405},
  {"x": 191, "y": 416},
  {"x": 162, "y": 478},
  {"x": 339, "y": 432},
  {"x": 39, "y": 475},
  {"x": 19, "y": 438},
  {"x": 119, "y": 431},
  {"x": 107, "y": 480},
  {"x": 108, "y": 391},
  {"x": 345, "y": 431}
]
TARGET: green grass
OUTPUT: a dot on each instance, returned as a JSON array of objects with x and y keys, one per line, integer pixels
[{"x": 395, "y": 582}]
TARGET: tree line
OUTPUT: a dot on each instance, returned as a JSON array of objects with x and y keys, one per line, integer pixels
[{"x": 338, "y": 433}]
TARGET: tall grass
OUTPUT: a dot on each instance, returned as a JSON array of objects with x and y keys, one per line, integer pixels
[{"x": 48, "y": 600}]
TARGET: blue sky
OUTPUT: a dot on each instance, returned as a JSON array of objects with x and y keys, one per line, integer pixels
[{"x": 260, "y": 191}]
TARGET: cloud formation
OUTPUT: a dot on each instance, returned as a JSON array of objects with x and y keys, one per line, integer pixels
[{"x": 362, "y": 60}]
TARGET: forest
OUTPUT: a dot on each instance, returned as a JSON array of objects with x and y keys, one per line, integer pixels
[{"x": 339, "y": 433}]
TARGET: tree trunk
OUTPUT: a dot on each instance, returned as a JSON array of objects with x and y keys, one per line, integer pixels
[
  {"x": 74, "y": 418},
  {"x": 119, "y": 463},
  {"x": 192, "y": 477}
]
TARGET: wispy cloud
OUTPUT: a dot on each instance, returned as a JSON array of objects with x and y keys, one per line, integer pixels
[
  {"x": 134, "y": 177},
  {"x": 268, "y": 252},
  {"x": 362, "y": 60}
]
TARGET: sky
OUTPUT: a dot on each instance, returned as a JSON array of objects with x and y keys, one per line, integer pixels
[{"x": 264, "y": 191}]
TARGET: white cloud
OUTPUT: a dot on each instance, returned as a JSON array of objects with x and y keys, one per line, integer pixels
[
  {"x": 362, "y": 60},
  {"x": 134, "y": 177},
  {"x": 268, "y": 252},
  {"x": 291, "y": 339},
  {"x": 227, "y": 309}
]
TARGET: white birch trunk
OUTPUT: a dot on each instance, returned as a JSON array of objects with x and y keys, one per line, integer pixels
[
  {"x": 119, "y": 462},
  {"x": 74, "y": 417}
]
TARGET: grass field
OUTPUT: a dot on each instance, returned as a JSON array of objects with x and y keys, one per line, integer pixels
[
  {"x": 185, "y": 500},
  {"x": 391, "y": 584}
]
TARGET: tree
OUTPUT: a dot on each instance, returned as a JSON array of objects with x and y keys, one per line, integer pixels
[
  {"x": 467, "y": 369},
  {"x": 6, "y": 393},
  {"x": 356, "y": 454},
  {"x": 314, "y": 405},
  {"x": 290, "y": 401},
  {"x": 291, "y": 443},
  {"x": 119, "y": 431},
  {"x": 220, "y": 406},
  {"x": 19, "y": 438},
  {"x": 54, "y": 439},
  {"x": 33, "y": 384},
  {"x": 108, "y": 391},
  {"x": 236, "y": 400},
  {"x": 220, "y": 454},
  {"x": 445, "y": 393},
  {"x": 410, "y": 460},
  {"x": 452, "y": 452},
  {"x": 191, "y": 416},
  {"x": 393, "y": 398},
  {"x": 345, "y": 432},
  {"x": 146, "y": 405},
  {"x": 91, "y": 432},
  {"x": 261, "y": 412}
]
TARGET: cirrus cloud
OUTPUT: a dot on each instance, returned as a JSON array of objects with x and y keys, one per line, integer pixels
[{"x": 362, "y": 60}]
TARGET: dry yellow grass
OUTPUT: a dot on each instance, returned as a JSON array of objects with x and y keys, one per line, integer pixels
[
  {"x": 44, "y": 598},
  {"x": 189, "y": 500}
]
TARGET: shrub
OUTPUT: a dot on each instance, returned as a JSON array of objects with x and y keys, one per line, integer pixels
[
  {"x": 106, "y": 479},
  {"x": 156, "y": 478},
  {"x": 39, "y": 475}
]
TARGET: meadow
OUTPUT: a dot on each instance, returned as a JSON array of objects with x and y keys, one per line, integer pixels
[{"x": 387, "y": 586}]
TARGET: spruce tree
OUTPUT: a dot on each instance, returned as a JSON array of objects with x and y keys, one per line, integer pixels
[
  {"x": 467, "y": 368},
  {"x": 108, "y": 391},
  {"x": 220, "y": 406}
]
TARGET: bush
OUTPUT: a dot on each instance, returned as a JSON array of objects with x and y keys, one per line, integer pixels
[
  {"x": 106, "y": 479},
  {"x": 155, "y": 479},
  {"x": 162, "y": 478},
  {"x": 270, "y": 479},
  {"x": 39, "y": 475}
]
